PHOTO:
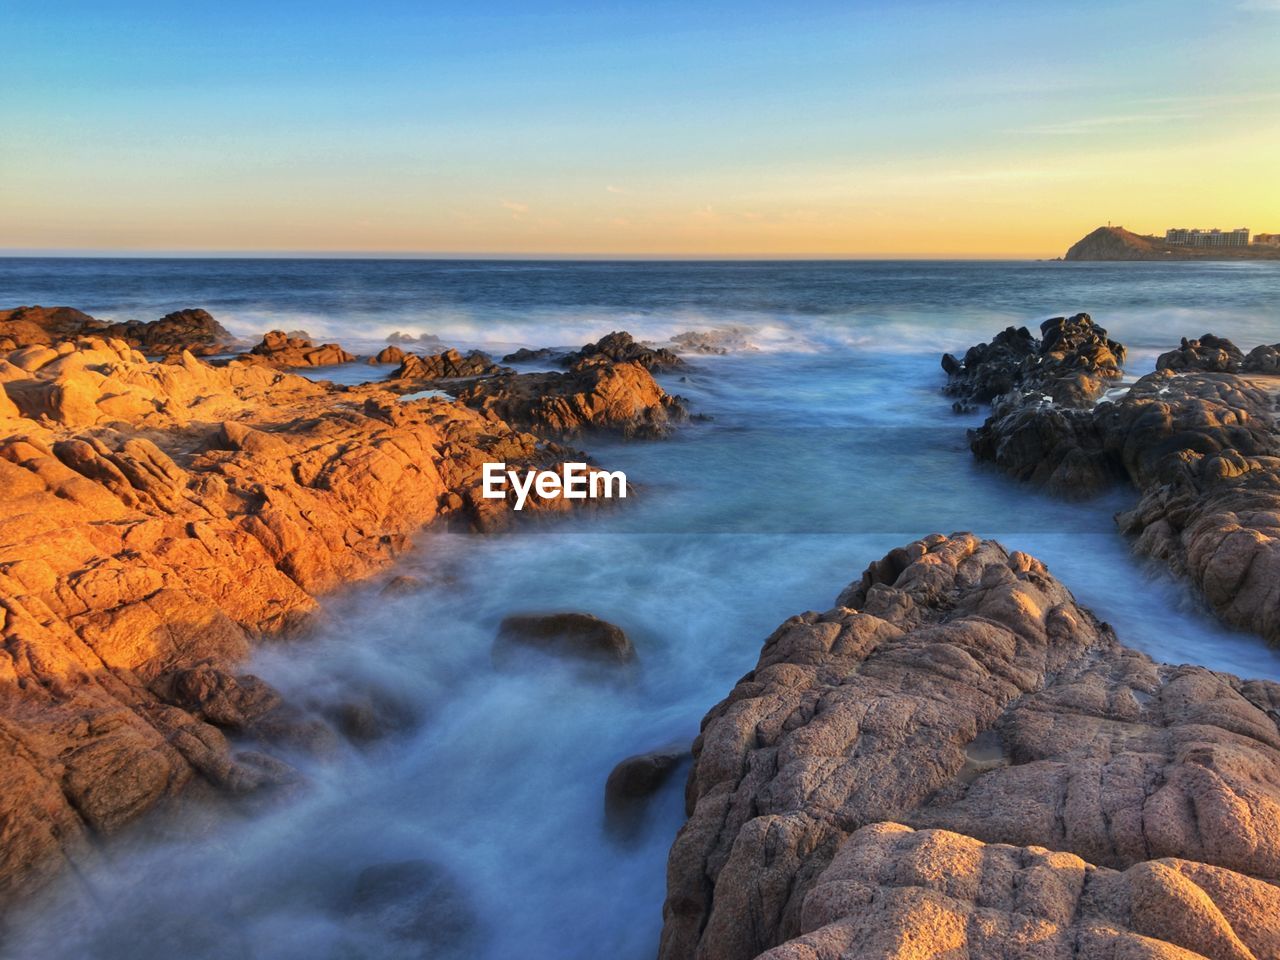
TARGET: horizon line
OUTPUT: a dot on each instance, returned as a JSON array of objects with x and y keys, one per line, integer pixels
[{"x": 19, "y": 253}]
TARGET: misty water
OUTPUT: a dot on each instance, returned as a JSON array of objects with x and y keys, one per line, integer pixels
[{"x": 827, "y": 445}]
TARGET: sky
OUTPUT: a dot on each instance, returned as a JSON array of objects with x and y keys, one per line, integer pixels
[{"x": 919, "y": 128}]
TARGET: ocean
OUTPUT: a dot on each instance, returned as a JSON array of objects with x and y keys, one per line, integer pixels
[{"x": 826, "y": 442}]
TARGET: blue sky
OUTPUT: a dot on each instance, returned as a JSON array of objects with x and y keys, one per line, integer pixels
[{"x": 660, "y": 128}]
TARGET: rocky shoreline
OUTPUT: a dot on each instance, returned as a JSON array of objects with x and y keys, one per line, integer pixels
[
  {"x": 163, "y": 514},
  {"x": 956, "y": 758},
  {"x": 1197, "y": 439},
  {"x": 959, "y": 759}
]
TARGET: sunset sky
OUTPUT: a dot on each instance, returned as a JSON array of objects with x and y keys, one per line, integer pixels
[{"x": 704, "y": 129}]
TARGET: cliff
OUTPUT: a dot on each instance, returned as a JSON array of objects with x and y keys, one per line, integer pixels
[{"x": 1117, "y": 243}]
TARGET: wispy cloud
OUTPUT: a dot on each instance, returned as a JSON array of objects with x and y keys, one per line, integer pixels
[
  {"x": 1270, "y": 6},
  {"x": 1086, "y": 125},
  {"x": 613, "y": 189},
  {"x": 518, "y": 210}
]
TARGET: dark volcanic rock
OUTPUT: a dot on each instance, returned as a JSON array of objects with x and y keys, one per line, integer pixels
[
  {"x": 619, "y": 347},
  {"x": 1071, "y": 365},
  {"x": 1211, "y": 353},
  {"x": 623, "y": 397},
  {"x": 578, "y": 635},
  {"x": 853, "y": 794},
  {"x": 449, "y": 365}
]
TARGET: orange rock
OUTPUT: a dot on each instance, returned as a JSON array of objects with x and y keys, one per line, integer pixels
[{"x": 157, "y": 518}]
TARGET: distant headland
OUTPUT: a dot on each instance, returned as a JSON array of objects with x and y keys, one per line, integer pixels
[{"x": 1117, "y": 243}]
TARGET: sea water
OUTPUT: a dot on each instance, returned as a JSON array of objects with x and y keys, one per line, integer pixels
[{"x": 826, "y": 444}]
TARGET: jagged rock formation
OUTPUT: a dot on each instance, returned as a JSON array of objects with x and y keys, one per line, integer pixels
[
  {"x": 1071, "y": 365},
  {"x": 620, "y": 347},
  {"x": 192, "y": 330},
  {"x": 28, "y": 326},
  {"x": 958, "y": 689},
  {"x": 156, "y": 519},
  {"x": 449, "y": 365},
  {"x": 1117, "y": 243},
  {"x": 622, "y": 397},
  {"x": 279, "y": 349},
  {"x": 1211, "y": 353},
  {"x": 1262, "y": 359},
  {"x": 1201, "y": 446}
]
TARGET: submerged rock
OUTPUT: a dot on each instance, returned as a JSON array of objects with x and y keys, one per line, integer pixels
[
  {"x": 720, "y": 340},
  {"x": 632, "y": 784},
  {"x": 577, "y": 635},
  {"x": 897, "y": 770},
  {"x": 525, "y": 355},
  {"x": 415, "y": 902}
]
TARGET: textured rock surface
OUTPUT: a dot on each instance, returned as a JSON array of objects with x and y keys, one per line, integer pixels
[
  {"x": 192, "y": 330},
  {"x": 155, "y": 519},
  {"x": 279, "y": 349},
  {"x": 1263, "y": 359},
  {"x": 620, "y": 347},
  {"x": 1071, "y": 365},
  {"x": 960, "y": 688},
  {"x": 1215, "y": 354},
  {"x": 388, "y": 354},
  {"x": 893, "y": 892},
  {"x": 449, "y": 365},
  {"x": 1198, "y": 439},
  {"x": 26, "y": 326},
  {"x": 614, "y": 396},
  {"x": 1202, "y": 447}
]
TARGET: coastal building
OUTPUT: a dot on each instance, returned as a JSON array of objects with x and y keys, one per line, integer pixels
[
  {"x": 1181, "y": 236},
  {"x": 1267, "y": 239}
]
